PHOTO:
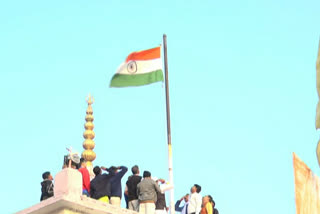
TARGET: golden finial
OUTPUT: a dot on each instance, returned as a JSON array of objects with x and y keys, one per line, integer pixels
[
  {"x": 88, "y": 154},
  {"x": 90, "y": 99}
]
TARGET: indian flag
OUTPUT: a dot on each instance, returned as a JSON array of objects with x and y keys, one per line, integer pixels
[{"x": 140, "y": 68}]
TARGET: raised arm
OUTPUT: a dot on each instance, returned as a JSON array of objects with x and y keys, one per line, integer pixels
[
  {"x": 122, "y": 172},
  {"x": 176, "y": 206},
  {"x": 156, "y": 187}
]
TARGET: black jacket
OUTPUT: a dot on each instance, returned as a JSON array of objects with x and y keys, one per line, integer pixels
[
  {"x": 46, "y": 189},
  {"x": 132, "y": 187},
  {"x": 100, "y": 186}
]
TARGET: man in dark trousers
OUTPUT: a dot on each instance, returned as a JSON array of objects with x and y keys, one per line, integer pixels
[
  {"x": 131, "y": 189},
  {"x": 46, "y": 186},
  {"x": 115, "y": 180},
  {"x": 100, "y": 186}
]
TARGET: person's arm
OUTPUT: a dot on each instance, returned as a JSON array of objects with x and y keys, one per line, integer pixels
[
  {"x": 92, "y": 190},
  {"x": 166, "y": 186},
  {"x": 104, "y": 168},
  {"x": 138, "y": 190},
  {"x": 50, "y": 189},
  {"x": 156, "y": 187},
  {"x": 126, "y": 190},
  {"x": 176, "y": 206},
  {"x": 122, "y": 172}
]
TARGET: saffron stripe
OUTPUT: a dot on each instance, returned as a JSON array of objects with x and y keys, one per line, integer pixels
[{"x": 152, "y": 53}]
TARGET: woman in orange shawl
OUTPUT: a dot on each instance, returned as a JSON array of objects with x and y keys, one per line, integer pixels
[{"x": 206, "y": 205}]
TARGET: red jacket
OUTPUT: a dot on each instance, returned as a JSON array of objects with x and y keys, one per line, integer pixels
[{"x": 85, "y": 179}]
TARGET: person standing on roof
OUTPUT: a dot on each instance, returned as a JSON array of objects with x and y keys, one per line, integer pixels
[
  {"x": 161, "y": 206},
  {"x": 183, "y": 209},
  {"x": 207, "y": 207},
  {"x": 147, "y": 191},
  {"x": 115, "y": 180},
  {"x": 131, "y": 188},
  {"x": 46, "y": 186},
  {"x": 85, "y": 177},
  {"x": 100, "y": 187},
  {"x": 195, "y": 200}
]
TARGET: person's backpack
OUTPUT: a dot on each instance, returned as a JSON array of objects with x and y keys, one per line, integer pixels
[{"x": 215, "y": 211}]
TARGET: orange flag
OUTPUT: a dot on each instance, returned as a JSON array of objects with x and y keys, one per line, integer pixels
[{"x": 307, "y": 188}]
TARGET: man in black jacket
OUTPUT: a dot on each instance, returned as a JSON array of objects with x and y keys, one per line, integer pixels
[
  {"x": 46, "y": 186},
  {"x": 100, "y": 186},
  {"x": 131, "y": 189}
]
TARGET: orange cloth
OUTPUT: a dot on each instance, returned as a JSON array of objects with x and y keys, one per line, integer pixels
[{"x": 207, "y": 209}]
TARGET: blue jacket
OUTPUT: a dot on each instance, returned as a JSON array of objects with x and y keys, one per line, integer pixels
[
  {"x": 115, "y": 181},
  {"x": 100, "y": 186}
]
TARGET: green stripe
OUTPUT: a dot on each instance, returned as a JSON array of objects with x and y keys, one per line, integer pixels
[{"x": 123, "y": 80}]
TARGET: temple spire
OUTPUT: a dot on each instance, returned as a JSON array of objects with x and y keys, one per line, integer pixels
[{"x": 88, "y": 154}]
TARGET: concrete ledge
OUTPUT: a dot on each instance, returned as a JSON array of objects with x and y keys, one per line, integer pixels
[{"x": 74, "y": 205}]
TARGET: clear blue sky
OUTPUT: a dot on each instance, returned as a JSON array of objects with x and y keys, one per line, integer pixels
[{"x": 242, "y": 87}]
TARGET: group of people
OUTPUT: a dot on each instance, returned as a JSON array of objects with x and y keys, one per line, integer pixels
[
  {"x": 195, "y": 204},
  {"x": 144, "y": 194}
]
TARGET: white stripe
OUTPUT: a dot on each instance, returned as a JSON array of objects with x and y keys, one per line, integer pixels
[{"x": 143, "y": 66}]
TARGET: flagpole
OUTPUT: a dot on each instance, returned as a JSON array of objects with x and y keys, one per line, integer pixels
[{"x": 172, "y": 208}]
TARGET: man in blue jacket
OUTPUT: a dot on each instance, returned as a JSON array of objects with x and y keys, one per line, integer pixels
[
  {"x": 116, "y": 191},
  {"x": 183, "y": 209},
  {"x": 100, "y": 186}
]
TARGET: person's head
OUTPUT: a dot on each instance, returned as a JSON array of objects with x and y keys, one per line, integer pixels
[
  {"x": 47, "y": 175},
  {"x": 75, "y": 160},
  {"x": 205, "y": 199},
  {"x": 97, "y": 170},
  {"x": 186, "y": 198},
  {"x": 196, "y": 188},
  {"x": 113, "y": 169},
  {"x": 83, "y": 163},
  {"x": 135, "y": 170},
  {"x": 146, "y": 174}
]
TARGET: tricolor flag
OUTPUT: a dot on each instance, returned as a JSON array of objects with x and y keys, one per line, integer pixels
[{"x": 140, "y": 68}]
